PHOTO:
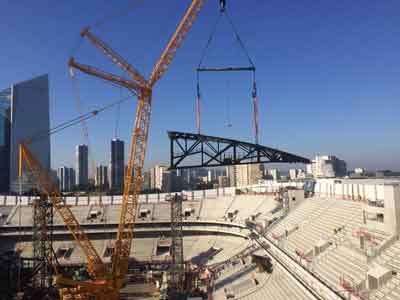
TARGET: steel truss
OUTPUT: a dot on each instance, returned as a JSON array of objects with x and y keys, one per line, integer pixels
[
  {"x": 189, "y": 150},
  {"x": 42, "y": 242},
  {"x": 177, "y": 270}
]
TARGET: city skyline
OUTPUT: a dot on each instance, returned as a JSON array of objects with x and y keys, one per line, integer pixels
[{"x": 304, "y": 108}]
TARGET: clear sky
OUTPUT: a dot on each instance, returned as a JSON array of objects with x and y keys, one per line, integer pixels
[{"x": 328, "y": 72}]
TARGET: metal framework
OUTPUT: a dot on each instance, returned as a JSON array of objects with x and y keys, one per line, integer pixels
[
  {"x": 105, "y": 285},
  {"x": 42, "y": 241},
  {"x": 189, "y": 150},
  {"x": 177, "y": 270},
  {"x": 46, "y": 185}
]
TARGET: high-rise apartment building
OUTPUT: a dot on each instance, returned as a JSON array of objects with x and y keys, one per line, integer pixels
[
  {"x": 102, "y": 176},
  {"x": 159, "y": 178},
  {"x": 246, "y": 174},
  {"x": 66, "y": 178},
  {"x": 328, "y": 166},
  {"x": 117, "y": 164},
  {"x": 24, "y": 113},
  {"x": 82, "y": 165},
  {"x": 275, "y": 174}
]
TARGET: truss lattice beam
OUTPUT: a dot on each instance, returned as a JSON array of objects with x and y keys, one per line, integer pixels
[{"x": 190, "y": 150}]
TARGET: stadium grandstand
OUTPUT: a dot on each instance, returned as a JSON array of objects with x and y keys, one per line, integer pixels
[{"x": 268, "y": 241}]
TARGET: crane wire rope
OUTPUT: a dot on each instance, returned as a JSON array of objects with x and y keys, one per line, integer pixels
[
  {"x": 223, "y": 11},
  {"x": 76, "y": 47},
  {"x": 85, "y": 129},
  {"x": 75, "y": 121}
]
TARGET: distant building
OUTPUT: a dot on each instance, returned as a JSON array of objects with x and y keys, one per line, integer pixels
[
  {"x": 146, "y": 180},
  {"x": 328, "y": 166},
  {"x": 117, "y": 164},
  {"x": 359, "y": 171},
  {"x": 309, "y": 169},
  {"x": 223, "y": 181},
  {"x": 301, "y": 174},
  {"x": 231, "y": 174},
  {"x": 248, "y": 174},
  {"x": 158, "y": 178},
  {"x": 82, "y": 165},
  {"x": 66, "y": 178},
  {"x": 102, "y": 176},
  {"x": 293, "y": 174},
  {"x": 24, "y": 113},
  {"x": 275, "y": 174}
]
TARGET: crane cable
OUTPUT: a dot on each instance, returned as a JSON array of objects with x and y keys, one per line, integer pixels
[
  {"x": 223, "y": 11},
  {"x": 85, "y": 129},
  {"x": 75, "y": 121}
]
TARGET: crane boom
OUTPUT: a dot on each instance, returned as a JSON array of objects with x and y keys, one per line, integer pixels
[
  {"x": 90, "y": 70},
  {"x": 134, "y": 175},
  {"x": 115, "y": 57},
  {"x": 175, "y": 41},
  {"x": 96, "y": 268}
]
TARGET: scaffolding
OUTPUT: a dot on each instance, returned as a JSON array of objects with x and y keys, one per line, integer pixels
[{"x": 177, "y": 270}]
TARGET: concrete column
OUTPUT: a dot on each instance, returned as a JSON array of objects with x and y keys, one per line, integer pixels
[
  {"x": 352, "y": 192},
  {"x": 392, "y": 208},
  {"x": 363, "y": 192}
]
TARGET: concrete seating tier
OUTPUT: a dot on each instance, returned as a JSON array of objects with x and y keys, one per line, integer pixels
[
  {"x": 341, "y": 261},
  {"x": 277, "y": 286}
]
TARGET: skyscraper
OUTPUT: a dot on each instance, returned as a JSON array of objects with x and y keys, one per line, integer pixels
[
  {"x": 158, "y": 178},
  {"x": 246, "y": 174},
  {"x": 24, "y": 113},
  {"x": 66, "y": 178},
  {"x": 102, "y": 176},
  {"x": 82, "y": 166},
  {"x": 117, "y": 164}
]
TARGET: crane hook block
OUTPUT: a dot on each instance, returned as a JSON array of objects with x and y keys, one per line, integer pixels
[{"x": 222, "y": 4}]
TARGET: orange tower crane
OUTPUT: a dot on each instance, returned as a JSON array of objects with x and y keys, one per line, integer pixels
[{"x": 106, "y": 284}]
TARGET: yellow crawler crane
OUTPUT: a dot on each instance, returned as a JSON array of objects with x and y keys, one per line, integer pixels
[{"x": 105, "y": 284}]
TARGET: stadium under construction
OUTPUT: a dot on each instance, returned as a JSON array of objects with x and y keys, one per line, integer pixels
[{"x": 310, "y": 238}]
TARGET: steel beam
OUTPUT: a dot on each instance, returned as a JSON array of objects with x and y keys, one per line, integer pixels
[{"x": 190, "y": 150}]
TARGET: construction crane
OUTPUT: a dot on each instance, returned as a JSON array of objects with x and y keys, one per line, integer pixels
[{"x": 106, "y": 283}]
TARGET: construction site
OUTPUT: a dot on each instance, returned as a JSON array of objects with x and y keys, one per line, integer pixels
[{"x": 320, "y": 238}]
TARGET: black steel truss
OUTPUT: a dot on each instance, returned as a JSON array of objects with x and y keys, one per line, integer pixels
[{"x": 189, "y": 150}]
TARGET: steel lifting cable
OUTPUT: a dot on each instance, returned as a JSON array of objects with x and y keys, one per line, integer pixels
[{"x": 251, "y": 68}]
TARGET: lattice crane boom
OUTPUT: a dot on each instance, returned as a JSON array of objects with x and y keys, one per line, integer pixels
[
  {"x": 96, "y": 268},
  {"x": 176, "y": 41},
  {"x": 134, "y": 177},
  {"x": 115, "y": 57},
  {"x": 115, "y": 79},
  {"x": 106, "y": 286}
]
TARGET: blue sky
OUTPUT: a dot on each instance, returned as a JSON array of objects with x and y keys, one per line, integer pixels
[{"x": 328, "y": 73}]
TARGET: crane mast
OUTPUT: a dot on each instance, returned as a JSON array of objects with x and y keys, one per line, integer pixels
[{"x": 106, "y": 285}]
